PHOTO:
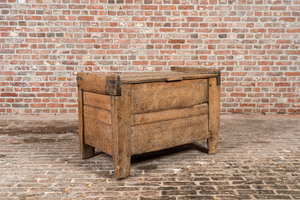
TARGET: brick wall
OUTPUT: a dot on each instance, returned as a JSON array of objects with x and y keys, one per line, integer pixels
[{"x": 45, "y": 42}]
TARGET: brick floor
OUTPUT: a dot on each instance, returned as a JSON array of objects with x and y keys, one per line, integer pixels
[{"x": 258, "y": 158}]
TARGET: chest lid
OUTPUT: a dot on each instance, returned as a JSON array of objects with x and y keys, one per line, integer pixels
[{"x": 110, "y": 83}]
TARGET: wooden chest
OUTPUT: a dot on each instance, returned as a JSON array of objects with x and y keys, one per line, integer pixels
[{"x": 134, "y": 113}]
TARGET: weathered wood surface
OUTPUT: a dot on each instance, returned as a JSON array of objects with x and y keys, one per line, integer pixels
[
  {"x": 99, "y": 83},
  {"x": 121, "y": 127},
  {"x": 148, "y": 77},
  {"x": 196, "y": 70},
  {"x": 98, "y": 134},
  {"x": 134, "y": 113},
  {"x": 166, "y": 134},
  {"x": 97, "y": 114},
  {"x": 157, "y": 96},
  {"x": 97, "y": 100},
  {"x": 111, "y": 83},
  {"x": 200, "y": 70},
  {"x": 92, "y": 82},
  {"x": 214, "y": 115},
  {"x": 164, "y": 115},
  {"x": 85, "y": 150}
]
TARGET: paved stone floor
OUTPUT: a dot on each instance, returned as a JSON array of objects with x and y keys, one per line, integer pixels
[{"x": 258, "y": 158}]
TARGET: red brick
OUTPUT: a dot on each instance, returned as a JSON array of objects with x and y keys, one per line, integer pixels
[
  {"x": 97, "y": 52},
  {"x": 238, "y": 95},
  {"x": 158, "y": 63},
  {"x": 288, "y": 19},
  {"x": 289, "y": 30},
  {"x": 113, "y": 30},
  {"x": 292, "y": 73},
  {"x": 87, "y": 41},
  {"x": 282, "y": 84},
  {"x": 45, "y": 95},
  {"x": 98, "y": 30},
  {"x": 140, "y": 62},
  {"x": 281, "y": 105},
  {"x": 32, "y": 18},
  {"x": 79, "y": 51},
  {"x": 154, "y": 41},
  {"x": 51, "y": 42},
  {"x": 114, "y": 51},
  {"x": 8, "y": 94},
  {"x": 255, "y": 94},
  {"x": 86, "y": 18},
  {"x": 265, "y": 84},
  {"x": 38, "y": 105},
  {"x": 149, "y": 7},
  {"x": 176, "y": 41},
  {"x": 176, "y": 62},
  {"x": 247, "y": 105},
  {"x": 167, "y": 30},
  {"x": 23, "y": 51},
  {"x": 265, "y": 62},
  {"x": 195, "y": 19},
  {"x": 292, "y": 52},
  {"x": 186, "y": 7},
  {"x": 167, "y": 7}
]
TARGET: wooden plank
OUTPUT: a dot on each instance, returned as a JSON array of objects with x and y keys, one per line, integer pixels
[
  {"x": 99, "y": 83},
  {"x": 92, "y": 82},
  {"x": 113, "y": 85},
  {"x": 150, "y": 77},
  {"x": 98, "y": 135},
  {"x": 85, "y": 150},
  {"x": 202, "y": 70},
  {"x": 151, "y": 117},
  {"x": 121, "y": 111},
  {"x": 110, "y": 83},
  {"x": 150, "y": 97},
  {"x": 166, "y": 134},
  {"x": 214, "y": 115},
  {"x": 97, "y": 100},
  {"x": 97, "y": 114}
]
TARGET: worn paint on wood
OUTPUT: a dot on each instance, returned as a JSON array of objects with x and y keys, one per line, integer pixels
[{"x": 157, "y": 96}]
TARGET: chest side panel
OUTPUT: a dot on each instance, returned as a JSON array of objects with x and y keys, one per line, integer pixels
[
  {"x": 97, "y": 121},
  {"x": 156, "y": 96}
]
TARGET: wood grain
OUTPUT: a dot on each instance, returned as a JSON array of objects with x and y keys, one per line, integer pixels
[
  {"x": 214, "y": 115},
  {"x": 121, "y": 133},
  {"x": 97, "y": 100},
  {"x": 85, "y": 150},
  {"x": 149, "y": 77},
  {"x": 134, "y": 113},
  {"x": 150, "y": 97},
  {"x": 98, "y": 134},
  {"x": 151, "y": 117},
  {"x": 166, "y": 134},
  {"x": 200, "y": 70},
  {"x": 98, "y": 114},
  {"x": 92, "y": 82}
]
